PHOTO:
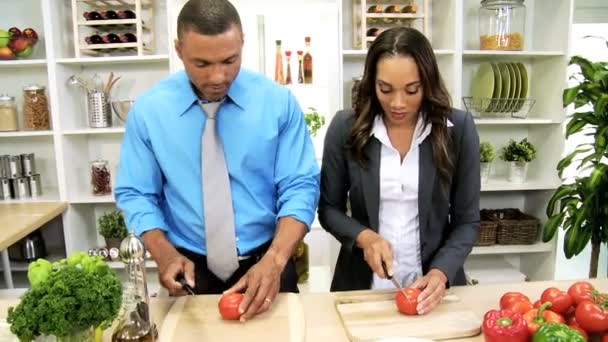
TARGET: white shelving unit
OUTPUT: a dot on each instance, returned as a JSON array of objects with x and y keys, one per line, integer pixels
[{"x": 63, "y": 154}]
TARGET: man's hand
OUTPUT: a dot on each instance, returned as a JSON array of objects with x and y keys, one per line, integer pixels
[
  {"x": 170, "y": 262},
  {"x": 261, "y": 285},
  {"x": 433, "y": 286},
  {"x": 375, "y": 250}
]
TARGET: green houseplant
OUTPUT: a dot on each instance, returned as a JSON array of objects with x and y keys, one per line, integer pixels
[
  {"x": 487, "y": 154},
  {"x": 580, "y": 206},
  {"x": 519, "y": 155},
  {"x": 314, "y": 121},
  {"x": 112, "y": 227}
]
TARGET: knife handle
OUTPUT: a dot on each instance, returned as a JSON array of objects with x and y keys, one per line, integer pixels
[
  {"x": 182, "y": 280},
  {"x": 386, "y": 271}
]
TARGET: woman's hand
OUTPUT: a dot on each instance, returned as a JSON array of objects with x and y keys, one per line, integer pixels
[
  {"x": 375, "y": 250},
  {"x": 433, "y": 286}
]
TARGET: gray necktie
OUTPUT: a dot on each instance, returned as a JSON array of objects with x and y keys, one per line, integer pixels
[{"x": 220, "y": 237}]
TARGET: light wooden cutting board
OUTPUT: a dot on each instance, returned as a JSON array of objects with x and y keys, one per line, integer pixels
[
  {"x": 370, "y": 317},
  {"x": 196, "y": 318}
]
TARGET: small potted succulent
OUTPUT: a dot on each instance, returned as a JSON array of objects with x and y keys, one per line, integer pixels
[
  {"x": 519, "y": 155},
  {"x": 112, "y": 227},
  {"x": 487, "y": 154}
]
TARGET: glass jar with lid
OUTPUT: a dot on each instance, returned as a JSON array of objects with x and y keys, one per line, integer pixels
[
  {"x": 100, "y": 178},
  {"x": 36, "y": 114},
  {"x": 502, "y": 24},
  {"x": 8, "y": 114}
]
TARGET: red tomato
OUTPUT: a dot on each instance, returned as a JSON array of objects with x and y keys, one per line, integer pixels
[
  {"x": 229, "y": 306},
  {"x": 605, "y": 338},
  {"x": 560, "y": 300},
  {"x": 511, "y": 297},
  {"x": 580, "y": 291},
  {"x": 405, "y": 307},
  {"x": 521, "y": 307},
  {"x": 591, "y": 317}
]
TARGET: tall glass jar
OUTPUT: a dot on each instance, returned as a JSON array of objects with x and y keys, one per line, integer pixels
[
  {"x": 100, "y": 178},
  {"x": 36, "y": 114},
  {"x": 8, "y": 114},
  {"x": 502, "y": 24}
]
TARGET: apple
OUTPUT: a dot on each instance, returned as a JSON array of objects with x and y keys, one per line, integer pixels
[
  {"x": 4, "y": 38},
  {"x": 25, "y": 52},
  {"x": 15, "y": 32},
  {"x": 30, "y": 34},
  {"x": 18, "y": 44},
  {"x": 6, "y": 53}
]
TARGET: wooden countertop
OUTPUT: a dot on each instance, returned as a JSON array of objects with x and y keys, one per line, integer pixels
[
  {"x": 323, "y": 323},
  {"x": 19, "y": 219}
]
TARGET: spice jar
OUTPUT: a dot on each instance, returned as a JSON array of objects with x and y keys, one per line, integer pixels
[
  {"x": 8, "y": 114},
  {"x": 502, "y": 24},
  {"x": 35, "y": 108},
  {"x": 100, "y": 178},
  {"x": 355, "y": 90}
]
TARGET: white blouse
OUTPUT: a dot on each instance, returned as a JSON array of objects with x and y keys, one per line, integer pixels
[{"x": 398, "y": 212}]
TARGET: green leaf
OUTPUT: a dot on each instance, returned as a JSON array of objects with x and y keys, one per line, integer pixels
[
  {"x": 569, "y": 202},
  {"x": 596, "y": 176},
  {"x": 566, "y": 161},
  {"x": 570, "y": 95},
  {"x": 574, "y": 126},
  {"x": 586, "y": 66},
  {"x": 586, "y": 160},
  {"x": 585, "y": 233},
  {"x": 563, "y": 191},
  {"x": 588, "y": 117},
  {"x": 570, "y": 241},
  {"x": 600, "y": 75},
  {"x": 551, "y": 226},
  {"x": 600, "y": 105}
]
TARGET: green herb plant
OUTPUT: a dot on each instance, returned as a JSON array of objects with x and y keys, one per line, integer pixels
[
  {"x": 522, "y": 151},
  {"x": 66, "y": 298},
  {"x": 487, "y": 153},
  {"x": 112, "y": 225},
  {"x": 314, "y": 121}
]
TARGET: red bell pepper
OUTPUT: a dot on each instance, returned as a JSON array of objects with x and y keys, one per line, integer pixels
[
  {"x": 537, "y": 317},
  {"x": 504, "y": 326}
]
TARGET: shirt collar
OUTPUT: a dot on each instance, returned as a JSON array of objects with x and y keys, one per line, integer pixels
[
  {"x": 186, "y": 96},
  {"x": 420, "y": 132}
]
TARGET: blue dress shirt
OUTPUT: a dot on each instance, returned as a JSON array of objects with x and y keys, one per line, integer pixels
[{"x": 269, "y": 154}]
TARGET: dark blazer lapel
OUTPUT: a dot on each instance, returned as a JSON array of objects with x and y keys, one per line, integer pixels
[
  {"x": 426, "y": 181},
  {"x": 370, "y": 179}
]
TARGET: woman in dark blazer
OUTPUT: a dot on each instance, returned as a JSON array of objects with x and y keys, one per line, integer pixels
[{"x": 408, "y": 164}]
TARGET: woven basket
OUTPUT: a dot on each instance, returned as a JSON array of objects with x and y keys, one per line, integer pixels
[
  {"x": 486, "y": 236},
  {"x": 515, "y": 227}
]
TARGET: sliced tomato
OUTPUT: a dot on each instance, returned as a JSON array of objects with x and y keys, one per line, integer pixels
[
  {"x": 405, "y": 306},
  {"x": 229, "y": 306}
]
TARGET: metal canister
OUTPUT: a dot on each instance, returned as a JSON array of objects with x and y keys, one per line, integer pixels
[
  {"x": 29, "y": 164},
  {"x": 5, "y": 166},
  {"x": 5, "y": 185},
  {"x": 15, "y": 170},
  {"x": 35, "y": 186},
  {"x": 21, "y": 188}
]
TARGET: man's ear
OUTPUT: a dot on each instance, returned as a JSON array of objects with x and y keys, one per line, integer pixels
[{"x": 178, "y": 47}]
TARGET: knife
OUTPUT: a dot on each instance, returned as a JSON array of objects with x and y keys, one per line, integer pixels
[
  {"x": 395, "y": 282},
  {"x": 182, "y": 280}
]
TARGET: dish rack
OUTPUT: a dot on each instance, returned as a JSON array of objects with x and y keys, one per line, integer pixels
[
  {"x": 367, "y": 25},
  {"x": 141, "y": 27},
  {"x": 498, "y": 107}
]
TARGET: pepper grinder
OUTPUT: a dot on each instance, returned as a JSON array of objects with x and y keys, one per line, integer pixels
[{"x": 135, "y": 324}]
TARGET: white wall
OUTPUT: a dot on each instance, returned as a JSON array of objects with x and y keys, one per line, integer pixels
[{"x": 591, "y": 11}]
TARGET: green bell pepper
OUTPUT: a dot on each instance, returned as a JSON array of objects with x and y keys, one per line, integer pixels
[{"x": 556, "y": 332}]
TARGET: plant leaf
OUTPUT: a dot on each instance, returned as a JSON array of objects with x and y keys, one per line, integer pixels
[
  {"x": 566, "y": 161},
  {"x": 586, "y": 66},
  {"x": 596, "y": 175},
  {"x": 575, "y": 125},
  {"x": 570, "y": 94},
  {"x": 570, "y": 241},
  {"x": 562, "y": 191},
  {"x": 551, "y": 226},
  {"x": 583, "y": 239},
  {"x": 586, "y": 160},
  {"x": 600, "y": 105}
]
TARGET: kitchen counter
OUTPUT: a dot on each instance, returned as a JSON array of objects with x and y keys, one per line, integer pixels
[
  {"x": 17, "y": 220},
  {"x": 322, "y": 322}
]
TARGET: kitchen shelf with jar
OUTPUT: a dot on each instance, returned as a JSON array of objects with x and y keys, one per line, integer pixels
[
  {"x": 514, "y": 121},
  {"x": 94, "y": 131},
  {"x": 515, "y": 54},
  {"x": 360, "y": 53},
  {"x": 539, "y": 247},
  {"x": 85, "y": 61},
  {"x": 25, "y": 134},
  {"x": 22, "y": 63}
]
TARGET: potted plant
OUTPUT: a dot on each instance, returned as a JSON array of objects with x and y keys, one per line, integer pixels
[
  {"x": 487, "y": 154},
  {"x": 112, "y": 227},
  {"x": 314, "y": 121},
  {"x": 580, "y": 205},
  {"x": 519, "y": 155},
  {"x": 68, "y": 300}
]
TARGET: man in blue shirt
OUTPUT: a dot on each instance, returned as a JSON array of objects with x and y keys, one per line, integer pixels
[{"x": 272, "y": 169}]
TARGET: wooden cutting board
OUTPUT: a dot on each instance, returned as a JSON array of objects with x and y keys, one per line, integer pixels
[
  {"x": 196, "y": 318},
  {"x": 369, "y": 317}
]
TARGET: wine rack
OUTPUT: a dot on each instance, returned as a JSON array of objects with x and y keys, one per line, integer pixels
[
  {"x": 113, "y": 27},
  {"x": 371, "y": 17}
]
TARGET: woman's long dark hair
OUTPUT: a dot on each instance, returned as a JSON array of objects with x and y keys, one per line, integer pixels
[{"x": 404, "y": 41}]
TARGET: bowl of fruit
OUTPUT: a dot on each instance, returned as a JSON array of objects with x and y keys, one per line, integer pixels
[{"x": 15, "y": 43}]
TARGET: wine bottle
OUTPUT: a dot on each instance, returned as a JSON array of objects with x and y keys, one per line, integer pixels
[
  {"x": 127, "y": 14},
  {"x": 128, "y": 38},
  {"x": 111, "y": 38},
  {"x": 307, "y": 62},
  {"x": 94, "y": 39},
  {"x": 109, "y": 15},
  {"x": 92, "y": 15}
]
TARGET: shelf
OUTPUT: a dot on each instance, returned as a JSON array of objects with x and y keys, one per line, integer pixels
[
  {"x": 91, "y": 131},
  {"x": 481, "y": 53},
  {"x": 108, "y": 46},
  {"x": 515, "y": 121},
  {"x": 394, "y": 16},
  {"x": 23, "y": 63},
  {"x": 505, "y": 185},
  {"x": 48, "y": 195},
  {"x": 114, "y": 3},
  {"x": 18, "y": 134},
  {"x": 108, "y": 22},
  {"x": 539, "y": 247},
  {"x": 362, "y": 53},
  {"x": 119, "y": 264},
  {"x": 115, "y": 60},
  {"x": 23, "y": 265},
  {"x": 91, "y": 199}
]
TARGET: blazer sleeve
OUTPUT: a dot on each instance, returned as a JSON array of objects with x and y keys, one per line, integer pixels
[
  {"x": 335, "y": 184},
  {"x": 464, "y": 204}
]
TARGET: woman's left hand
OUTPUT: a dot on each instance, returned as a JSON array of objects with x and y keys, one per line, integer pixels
[{"x": 433, "y": 286}]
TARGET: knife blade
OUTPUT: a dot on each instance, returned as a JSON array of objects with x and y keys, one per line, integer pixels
[
  {"x": 395, "y": 282},
  {"x": 182, "y": 280}
]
